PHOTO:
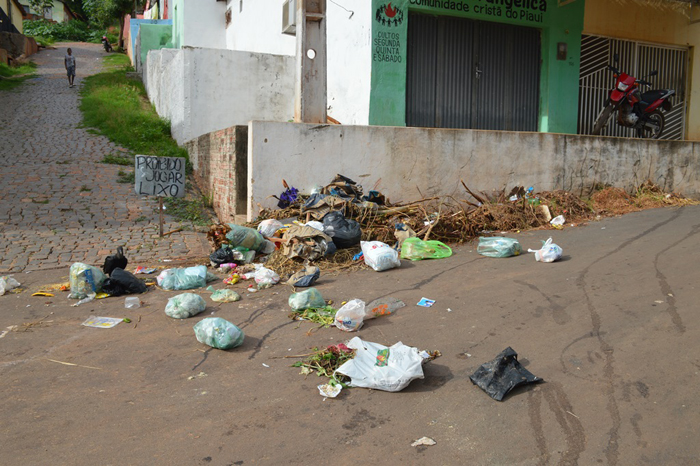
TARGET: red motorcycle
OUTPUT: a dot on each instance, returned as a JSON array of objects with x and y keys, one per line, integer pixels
[{"x": 641, "y": 111}]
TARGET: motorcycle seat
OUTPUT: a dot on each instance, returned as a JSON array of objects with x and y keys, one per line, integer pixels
[{"x": 650, "y": 97}]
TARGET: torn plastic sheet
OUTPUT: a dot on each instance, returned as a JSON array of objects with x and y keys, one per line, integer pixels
[{"x": 502, "y": 374}]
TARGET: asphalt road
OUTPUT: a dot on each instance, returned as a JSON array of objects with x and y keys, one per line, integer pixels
[{"x": 612, "y": 329}]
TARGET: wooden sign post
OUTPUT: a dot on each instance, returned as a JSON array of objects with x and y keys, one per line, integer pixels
[{"x": 160, "y": 177}]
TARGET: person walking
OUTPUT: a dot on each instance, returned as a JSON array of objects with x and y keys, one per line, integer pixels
[{"x": 69, "y": 62}]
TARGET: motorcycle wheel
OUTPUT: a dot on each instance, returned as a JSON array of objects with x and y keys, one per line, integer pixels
[
  {"x": 655, "y": 117},
  {"x": 603, "y": 118}
]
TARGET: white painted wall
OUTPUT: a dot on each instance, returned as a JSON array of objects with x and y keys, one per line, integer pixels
[
  {"x": 256, "y": 26},
  {"x": 410, "y": 163},
  {"x": 205, "y": 90},
  {"x": 204, "y": 24}
]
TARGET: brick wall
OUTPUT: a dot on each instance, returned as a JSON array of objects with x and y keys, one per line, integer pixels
[{"x": 220, "y": 162}]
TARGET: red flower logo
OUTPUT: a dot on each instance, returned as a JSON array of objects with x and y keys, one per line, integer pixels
[{"x": 390, "y": 12}]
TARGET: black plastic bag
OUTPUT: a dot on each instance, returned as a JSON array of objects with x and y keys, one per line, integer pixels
[
  {"x": 221, "y": 256},
  {"x": 123, "y": 282},
  {"x": 345, "y": 233},
  {"x": 501, "y": 375},
  {"x": 305, "y": 277}
]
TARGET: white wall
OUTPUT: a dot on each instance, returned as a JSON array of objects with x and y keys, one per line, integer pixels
[
  {"x": 205, "y": 90},
  {"x": 204, "y": 24},
  {"x": 412, "y": 163},
  {"x": 256, "y": 26}
]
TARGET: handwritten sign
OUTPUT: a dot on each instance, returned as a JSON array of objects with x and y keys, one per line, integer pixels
[{"x": 160, "y": 176}]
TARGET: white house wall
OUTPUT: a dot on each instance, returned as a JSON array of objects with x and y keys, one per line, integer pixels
[
  {"x": 204, "y": 24},
  {"x": 256, "y": 26},
  {"x": 205, "y": 90}
]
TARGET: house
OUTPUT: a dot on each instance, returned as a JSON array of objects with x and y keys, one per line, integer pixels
[
  {"x": 59, "y": 12},
  {"x": 11, "y": 14}
]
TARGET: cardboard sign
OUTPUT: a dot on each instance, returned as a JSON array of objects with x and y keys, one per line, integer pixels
[{"x": 159, "y": 176}]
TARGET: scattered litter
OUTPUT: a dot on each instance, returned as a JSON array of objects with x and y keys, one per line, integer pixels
[
  {"x": 185, "y": 305},
  {"x": 402, "y": 232},
  {"x": 498, "y": 246},
  {"x": 121, "y": 282},
  {"x": 306, "y": 243},
  {"x": 218, "y": 333},
  {"x": 324, "y": 316},
  {"x": 245, "y": 237},
  {"x": 425, "y": 302},
  {"x": 101, "y": 322},
  {"x": 269, "y": 227},
  {"x": 502, "y": 374},
  {"x": 132, "y": 302},
  {"x": 424, "y": 440},
  {"x": 7, "y": 283},
  {"x": 383, "y": 307},
  {"x": 143, "y": 270},
  {"x": 265, "y": 365},
  {"x": 101, "y": 296},
  {"x": 325, "y": 362},
  {"x": 329, "y": 391},
  {"x": 416, "y": 249},
  {"x": 307, "y": 299},
  {"x": 351, "y": 316},
  {"x": 449, "y": 310},
  {"x": 71, "y": 364},
  {"x": 224, "y": 295},
  {"x": 87, "y": 299},
  {"x": 380, "y": 256},
  {"x": 200, "y": 375},
  {"x": 658, "y": 302},
  {"x": 85, "y": 280},
  {"x": 115, "y": 261},
  {"x": 228, "y": 266},
  {"x": 305, "y": 277},
  {"x": 549, "y": 252},
  {"x": 43, "y": 293},
  {"x": 558, "y": 222},
  {"x": 232, "y": 279},
  {"x": 383, "y": 368},
  {"x": 345, "y": 233},
  {"x": 264, "y": 277},
  {"x": 185, "y": 279}
]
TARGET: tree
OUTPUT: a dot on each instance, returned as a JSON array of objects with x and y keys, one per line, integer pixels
[
  {"x": 40, "y": 6},
  {"x": 105, "y": 12}
]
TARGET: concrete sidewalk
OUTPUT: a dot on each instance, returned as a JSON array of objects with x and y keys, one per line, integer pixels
[
  {"x": 613, "y": 330},
  {"x": 58, "y": 204}
]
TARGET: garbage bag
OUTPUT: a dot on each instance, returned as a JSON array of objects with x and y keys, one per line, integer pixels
[
  {"x": 403, "y": 232},
  {"x": 497, "y": 246},
  {"x": 318, "y": 205},
  {"x": 383, "y": 307},
  {"x": 307, "y": 299},
  {"x": 85, "y": 280},
  {"x": 416, "y": 249},
  {"x": 380, "y": 256},
  {"x": 317, "y": 225},
  {"x": 218, "y": 333},
  {"x": 7, "y": 284},
  {"x": 549, "y": 252},
  {"x": 502, "y": 374},
  {"x": 351, "y": 316},
  {"x": 185, "y": 279},
  {"x": 344, "y": 188},
  {"x": 185, "y": 305},
  {"x": 225, "y": 296},
  {"x": 306, "y": 243},
  {"x": 223, "y": 255},
  {"x": 244, "y": 236},
  {"x": 269, "y": 227},
  {"x": 345, "y": 233},
  {"x": 265, "y": 277},
  {"x": 376, "y": 366},
  {"x": 305, "y": 277},
  {"x": 122, "y": 282}
]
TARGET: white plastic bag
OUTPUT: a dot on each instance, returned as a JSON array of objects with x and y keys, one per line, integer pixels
[
  {"x": 558, "y": 222},
  {"x": 380, "y": 256},
  {"x": 269, "y": 227},
  {"x": 85, "y": 280},
  {"x": 550, "y": 252},
  {"x": 351, "y": 316},
  {"x": 265, "y": 277},
  {"x": 317, "y": 225},
  {"x": 7, "y": 284},
  {"x": 376, "y": 366}
]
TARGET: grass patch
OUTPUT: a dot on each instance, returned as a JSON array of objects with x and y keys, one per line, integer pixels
[
  {"x": 44, "y": 41},
  {"x": 141, "y": 219},
  {"x": 117, "y": 106},
  {"x": 13, "y": 76},
  {"x": 126, "y": 177},
  {"x": 118, "y": 160},
  {"x": 190, "y": 210},
  {"x": 85, "y": 189}
]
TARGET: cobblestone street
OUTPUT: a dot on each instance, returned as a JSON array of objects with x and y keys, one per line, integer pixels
[{"x": 58, "y": 203}]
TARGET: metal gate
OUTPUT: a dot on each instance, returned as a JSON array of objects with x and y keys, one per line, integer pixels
[
  {"x": 636, "y": 59},
  {"x": 472, "y": 74}
]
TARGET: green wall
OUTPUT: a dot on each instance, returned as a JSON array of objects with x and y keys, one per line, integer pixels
[
  {"x": 155, "y": 37},
  {"x": 559, "y": 21}
]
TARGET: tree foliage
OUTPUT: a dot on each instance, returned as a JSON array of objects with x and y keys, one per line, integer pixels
[{"x": 106, "y": 12}]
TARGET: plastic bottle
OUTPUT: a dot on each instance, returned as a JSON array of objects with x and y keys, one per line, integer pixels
[{"x": 132, "y": 302}]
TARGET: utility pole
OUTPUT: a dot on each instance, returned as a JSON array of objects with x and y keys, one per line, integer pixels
[{"x": 311, "y": 86}]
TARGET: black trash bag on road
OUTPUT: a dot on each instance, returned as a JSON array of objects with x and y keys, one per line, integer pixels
[
  {"x": 305, "y": 277},
  {"x": 345, "y": 233},
  {"x": 221, "y": 256},
  {"x": 501, "y": 375},
  {"x": 122, "y": 282}
]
